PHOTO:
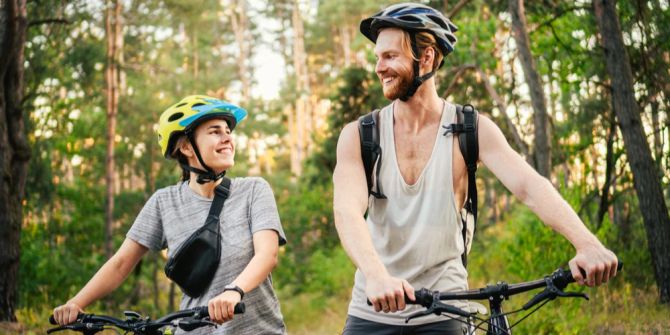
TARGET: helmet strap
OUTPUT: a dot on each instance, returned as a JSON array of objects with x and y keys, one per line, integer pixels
[
  {"x": 418, "y": 80},
  {"x": 203, "y": 176}
]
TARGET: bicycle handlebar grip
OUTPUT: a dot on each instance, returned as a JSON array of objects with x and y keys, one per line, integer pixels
[
  {"x": 567, "y": 274},
  {"x": 240, "y": 308},
  {"x": 407, "y": 300},
  {"x": 52, "y": 320}
]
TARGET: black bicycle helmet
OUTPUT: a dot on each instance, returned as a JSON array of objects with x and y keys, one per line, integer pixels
[{"x": 413, "y": 18}]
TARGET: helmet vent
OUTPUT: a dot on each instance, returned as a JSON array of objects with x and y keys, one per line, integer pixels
[
  {"x": 197, "y": 104},
  {"x": 179, "y": 105},
  {"x": 410, "y": 18},
  {"x": 440, "y": 22},
  {"x": 175, "y": 116}
]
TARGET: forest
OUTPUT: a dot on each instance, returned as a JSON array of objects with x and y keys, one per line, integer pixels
[{"x": 580, "y": 89}]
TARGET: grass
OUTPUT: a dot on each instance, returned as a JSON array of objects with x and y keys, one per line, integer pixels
[{"x": 312, "y": 314}]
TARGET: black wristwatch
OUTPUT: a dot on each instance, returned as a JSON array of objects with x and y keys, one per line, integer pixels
[{"x": 233, "y": 287}]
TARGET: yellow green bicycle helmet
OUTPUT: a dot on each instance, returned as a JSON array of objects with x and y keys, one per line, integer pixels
[
  {"x": 183, "y": 117},
  {"x": 188, "y": 113}
]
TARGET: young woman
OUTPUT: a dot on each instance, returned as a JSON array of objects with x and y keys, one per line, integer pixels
[{"x": 197, "y": 133}]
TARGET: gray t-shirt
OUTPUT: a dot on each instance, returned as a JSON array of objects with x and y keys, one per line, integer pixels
[{"x": 173, "y": 213}]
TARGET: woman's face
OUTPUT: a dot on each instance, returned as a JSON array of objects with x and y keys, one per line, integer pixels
[{"x": 215, "y": 143}]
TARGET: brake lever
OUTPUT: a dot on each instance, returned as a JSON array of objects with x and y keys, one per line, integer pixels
[
  {"x": 544, "y": 295},
  {"x": 191, "y": 323},
  {"x": 419, "y": 314},
  {"x": 437, "y": 307},
  {"x": 573, "y": 295},
  {"x": 57, "y": 329},
  {"x": 551, "y": 292},
  {"x": 86, "y": 328}
]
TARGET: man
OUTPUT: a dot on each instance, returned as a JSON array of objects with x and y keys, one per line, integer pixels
[{"x": 413, "y": 238}]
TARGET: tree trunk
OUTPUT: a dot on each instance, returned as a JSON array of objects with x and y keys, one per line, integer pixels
[
  {"x": 658, "y": 143},
  {"x": 302, "y": 108},
  {"x": 240, "y": 24},
  {"x": 299, "y": 54},
  {"x": 542, "y": 145},
  {"x": 345, "y": 42},
  {"x": 114, "y": 42},
  {"x": 14, "y": 150},
  {"x": 609, "y": 170},
  {"x": 196, "y": 59},
  {"x": 457, "y": 8},
  {"x": 646, "y": 180}
]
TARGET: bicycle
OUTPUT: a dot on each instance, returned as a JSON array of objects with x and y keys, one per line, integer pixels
[
  {"x": 498, "y": 323},
  {"x": 188, "y": 319}
]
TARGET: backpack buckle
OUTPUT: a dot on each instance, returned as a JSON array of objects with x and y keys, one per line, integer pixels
[{"x": 452, "y": 128}]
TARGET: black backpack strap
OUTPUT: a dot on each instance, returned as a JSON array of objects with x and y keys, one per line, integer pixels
[
  {"x": 221, "y": 193},
  {"x": 371, "y": 151},
  {"x": 466, "y": 128}
]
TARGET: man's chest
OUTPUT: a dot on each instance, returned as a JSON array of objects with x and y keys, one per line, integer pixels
[{"x": 414, "y": 152}]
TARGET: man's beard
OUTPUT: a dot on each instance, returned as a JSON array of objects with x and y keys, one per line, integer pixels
[{"x": 402, "y": 82}]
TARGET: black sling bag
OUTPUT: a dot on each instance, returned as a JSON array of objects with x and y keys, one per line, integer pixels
[
  {"x": 465, "y": 128},
  {"x": 196, "y": 260}
]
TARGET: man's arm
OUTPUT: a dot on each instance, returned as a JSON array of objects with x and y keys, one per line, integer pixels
[
  {"x": 540, "y": 196},
  {"x": 349, "y": 205}
]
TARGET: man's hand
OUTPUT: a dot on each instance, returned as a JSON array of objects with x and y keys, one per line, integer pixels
[
  {"x": 387, "y": 293},
  {"x": 598, "y": 263},
  {"x": 222, "y": 307}
]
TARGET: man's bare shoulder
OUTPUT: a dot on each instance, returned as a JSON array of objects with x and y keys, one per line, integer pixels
[
  {"x": 348, "y": 145},
  {"x": 489, "y": 134}
]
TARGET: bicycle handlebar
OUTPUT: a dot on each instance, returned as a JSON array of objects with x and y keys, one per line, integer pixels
[
  {"x": 200, "y": 312},
  {"x": 560, "y": 279}
]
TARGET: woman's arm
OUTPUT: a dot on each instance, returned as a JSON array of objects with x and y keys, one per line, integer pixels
[
  {"x": 266, "y": 247},
  {"x": 108, "y": 278}
]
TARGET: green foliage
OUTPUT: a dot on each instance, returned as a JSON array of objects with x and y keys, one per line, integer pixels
[
  {"x": 306, "y": 214},
  {"x": 358, "y": 93},
  {"x": 521, "y": 248},
  {"x": 174, "y": 48},
  {"x": 329, "y": 272}
]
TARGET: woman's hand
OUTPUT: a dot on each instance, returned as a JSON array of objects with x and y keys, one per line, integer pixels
[
  {"x": 67, "y": 313},
  {"x": 222, "y": 307}
]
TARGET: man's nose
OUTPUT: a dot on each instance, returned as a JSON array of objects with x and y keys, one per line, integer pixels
[{"x": 380, "y": 67}]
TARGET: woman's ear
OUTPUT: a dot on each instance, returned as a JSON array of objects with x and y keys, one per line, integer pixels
[{"x": 185, "y": 148}]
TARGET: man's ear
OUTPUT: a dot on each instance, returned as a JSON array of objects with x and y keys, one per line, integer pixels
[{"x": 428, "y": 58}]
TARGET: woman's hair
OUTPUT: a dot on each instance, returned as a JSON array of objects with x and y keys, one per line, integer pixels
[
  {"x": 423, "y": 41},
  {"x": 179, "y": 156}
]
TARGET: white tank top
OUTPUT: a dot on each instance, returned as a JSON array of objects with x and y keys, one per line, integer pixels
[{"x": 416, "y": 231}]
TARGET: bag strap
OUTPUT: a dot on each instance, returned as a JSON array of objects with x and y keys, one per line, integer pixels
[
  {"x": 466, "y": 128},
  {"x": 221, "y": 193},
  {"x": 371, "y": 151}
]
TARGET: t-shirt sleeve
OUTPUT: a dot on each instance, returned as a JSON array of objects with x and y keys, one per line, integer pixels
[
  {"x": 147, "y": 229},
  {"x": 264, "y": 215}
]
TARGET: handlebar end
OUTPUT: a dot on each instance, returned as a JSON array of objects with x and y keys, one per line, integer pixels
[{"x": 240, "y": 308}]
